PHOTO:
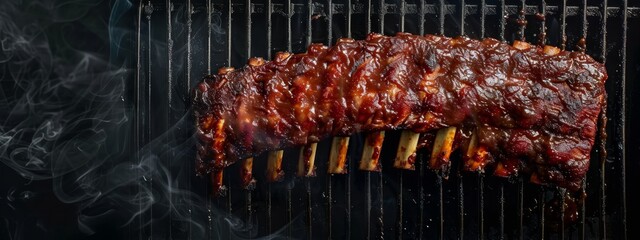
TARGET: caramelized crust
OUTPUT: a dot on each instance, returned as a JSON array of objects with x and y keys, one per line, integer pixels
[{"x": 530, "y": 112}]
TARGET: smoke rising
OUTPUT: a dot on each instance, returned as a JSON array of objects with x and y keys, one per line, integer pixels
[{"x": 66, "y": 127}]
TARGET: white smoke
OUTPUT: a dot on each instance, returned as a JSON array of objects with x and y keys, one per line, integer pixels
[{"x": 65, "y": 121}]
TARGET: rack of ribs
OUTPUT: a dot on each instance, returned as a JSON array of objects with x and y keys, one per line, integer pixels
[{"x": 510, "y": 109}]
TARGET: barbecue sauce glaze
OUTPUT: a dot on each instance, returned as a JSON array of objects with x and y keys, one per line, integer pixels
[{"x": 534, "y": 113}]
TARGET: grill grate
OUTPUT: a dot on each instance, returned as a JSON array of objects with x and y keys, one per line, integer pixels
[{"x": 451, "y": 209}]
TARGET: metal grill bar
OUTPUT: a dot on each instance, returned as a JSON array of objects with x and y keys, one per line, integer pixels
[
  {"x": 542, "y": 200},
  {"x": 228, "y": 197},
  {"x": 229, "y": 30},
  {"x": 381, "y": 13},
  {"x": 138, "y": 134},
  {"x": 289, "y": 12},
  {"x": 248, "y": 192},
  {"x": 461, "y": 17},
  {"x": 169, "y": 93},
  {"x": 603, "y": 54},
  {"x": 521, "y": 209},
  {"x": 247, "y": 29},
  {"x": 503, "y": 24},
  {"x": 209, "y": 28},
  {"x": 170, "y": 99},
  {"x": 481, "y": 206},
  {"x": 543, "y": 27},
  {"x": 501, "y": 203},
  {"x": 421, "y": 165},
  {"x": 169, "y": 62},
  {"x": 209, "y": 10},
  {"x": 349, "y": 182},
  {"x": 329, "y": 42},
  {"x": 269, "y": 50},
  {"x": 483, "y": 9},
  {"x": 621, "y": 128},
  {"x": 148, "y": 12},
  {"x": 268, "y": 19},
  {"x": 542, "y": 203},
  {"x": 329, "y": 12},
  {"x": 189, "y": 13},
  {"x": 369, "y": 13},
  {"x": 310, "y": 12},
  {"x": 441, "y": 18},
  {"x": 401, "y": 190},
  {"x": 289, "y": 30},
  {"x": 522, "y": 25}
]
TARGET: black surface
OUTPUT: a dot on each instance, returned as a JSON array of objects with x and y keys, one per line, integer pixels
[{"x": 116, "y": 139}]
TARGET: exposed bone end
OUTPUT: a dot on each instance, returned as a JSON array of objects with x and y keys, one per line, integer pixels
[
  {"x": 501, "y": 170},
  {"x": 246, "y": 172},
  {"x": 281, "y": 56},
  {"x": 256, "y": 61},
  {"x": 373, "y": 36},
  {"x": 206, "y": 122},
  {"x": 401, "y": 34},
  {"x": 218, "y": 190},
  {"x": 535, "y": 179},
  {"x": 521, "y": 45},
  {"x": 306, "y": 162},
  {"x": 218, "y": 144},
  {"x": 225, "y": 70},
  {"x": 346, "y": 40},
  {"x": 456, "y": 41},
  {"x": 477, "y": 156},
  {"x": 406, "y": 155},
  {"x": 442, "y": 147},
  {"x": 550, "y": 50},
  {"x": 478, "y": 160},
  {"x": 338, "y": 155},
  {"x": 274, "y": 166},
  {"x": 506, "y": 168},
  {"x": 371, "y": 152}
]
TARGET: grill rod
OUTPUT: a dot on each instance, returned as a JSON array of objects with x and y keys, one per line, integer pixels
[
  {"x": 621, "y": 129},
  {"x": 368, "y": 188},
  {"x": 401, "y": 176},
  {"x": 381, "y": 15},
  {"x": 441, "y": 20},
  {"x": 503, "y": 25},
  {"x": 462, "y": 14}
]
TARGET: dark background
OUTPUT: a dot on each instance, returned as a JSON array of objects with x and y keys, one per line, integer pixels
[{"x": 95, "y": 129}]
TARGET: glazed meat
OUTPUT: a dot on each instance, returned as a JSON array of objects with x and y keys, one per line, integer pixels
[{"x": 512, "y": 109}]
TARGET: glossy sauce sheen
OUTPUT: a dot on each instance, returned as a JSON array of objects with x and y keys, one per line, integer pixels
[{"x": 532, "y": 112}]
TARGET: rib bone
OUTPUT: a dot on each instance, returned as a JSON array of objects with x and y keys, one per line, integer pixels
[
  {"x": 521, "y": 45},
  {"x": 216, "y": 181},
  {"x": 550, "y": 50},
  {"x": 477, "y": 156},
  {"x": 442, "y": 147},
  {"x": 371, "y": 152},
  {"x": 406, "y": 156},
  {"x": 338, "y": 155},
  {"x": 306, "y": 162},
  {"x": 248, "y": 182},
  {"x": 274, "y": 166}
]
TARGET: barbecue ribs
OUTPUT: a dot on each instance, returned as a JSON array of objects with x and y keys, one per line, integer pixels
[{"x": 509, "y": 109}]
